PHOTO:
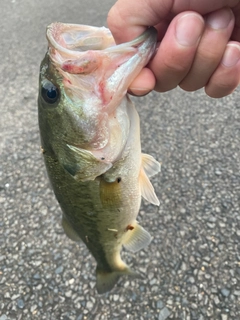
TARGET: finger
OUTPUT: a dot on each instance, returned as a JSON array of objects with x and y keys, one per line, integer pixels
[
  {"x": 236, "y": 32},
  {"x": 219, "y": 26},
  {"x": 176, "y": 51},
  {"x": 128, "y": 19},
  {"x": 227, "y": 76},
  {"x": 143, "y": 83}
]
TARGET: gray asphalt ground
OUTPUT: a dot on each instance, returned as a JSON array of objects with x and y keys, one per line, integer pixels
[{"x": 192, "y": 266}]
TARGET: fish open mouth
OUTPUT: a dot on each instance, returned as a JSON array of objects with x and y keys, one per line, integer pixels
[
  {"x": 74, "y": 39},
  {"x": 79, "y": 51},
  {"x": 94, "y": 70}
]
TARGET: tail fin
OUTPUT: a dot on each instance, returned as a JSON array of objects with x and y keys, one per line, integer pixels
[{"x": 107, "y": 280}]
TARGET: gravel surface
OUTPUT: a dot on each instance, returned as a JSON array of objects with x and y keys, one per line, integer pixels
[{"x": 192, "y": 266}]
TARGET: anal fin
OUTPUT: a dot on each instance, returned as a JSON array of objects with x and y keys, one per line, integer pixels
[{"x": 137, "y": 238}]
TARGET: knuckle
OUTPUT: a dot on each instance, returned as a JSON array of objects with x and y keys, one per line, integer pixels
[
  {"x": 210, "y": 57},
  {"x": 222, "y": 87},
  {"x": 189, "y": 86},
  {"x": 175, "y": 67}
]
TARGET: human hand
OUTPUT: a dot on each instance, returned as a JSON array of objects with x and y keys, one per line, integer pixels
[{"x": 199, "y": 43}]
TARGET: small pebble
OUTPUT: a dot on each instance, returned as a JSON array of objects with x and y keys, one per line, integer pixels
[
  {"x": 218, "y": 172},
  {"x": 20, "y": 303},
  {"x": 225, "y": 292},
  {"x": 37, "y": 276},
  {"x": 160, "y": 304},
  {"x": 68, "y": 294},
  {"x": 15, "y": 296},
  {"x": 59, "y": 270},
  {"x": 164, "y": 314},
  {"x": 89, "y": 305},
  {"x": 33, "y": 308},
  {"x": 115, "y": 297}
]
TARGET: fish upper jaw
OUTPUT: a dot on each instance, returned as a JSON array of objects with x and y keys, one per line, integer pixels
[
  {"x": 71, "y": 39},
  {"x": 90, "y": 62}
]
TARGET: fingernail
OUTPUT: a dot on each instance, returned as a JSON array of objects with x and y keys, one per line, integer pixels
[
  {"x": 189, "y": 29},
  {"x": 231, "y": 55},
  {"x": 139, "y": 92},
  {"x": 220, "y": 19}
]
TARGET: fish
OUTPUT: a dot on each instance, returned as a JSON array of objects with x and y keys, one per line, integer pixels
[{"x": 90, "y": 140}]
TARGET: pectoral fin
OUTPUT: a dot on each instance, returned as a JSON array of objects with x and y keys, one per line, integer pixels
[
  {"x": 147, "y": 189},
  {"x": 82, "y": 164},
  {"x": 137, "y": 238},
  {"x": 150, "y": 165}
]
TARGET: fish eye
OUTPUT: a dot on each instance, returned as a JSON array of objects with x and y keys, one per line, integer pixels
[{"x": 50, "y": 92}]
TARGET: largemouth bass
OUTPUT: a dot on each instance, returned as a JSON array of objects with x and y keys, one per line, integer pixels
[{"x": 90, "y": 140}]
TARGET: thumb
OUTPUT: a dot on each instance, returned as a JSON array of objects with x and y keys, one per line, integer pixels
[{"x": 128, "y": 19}]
